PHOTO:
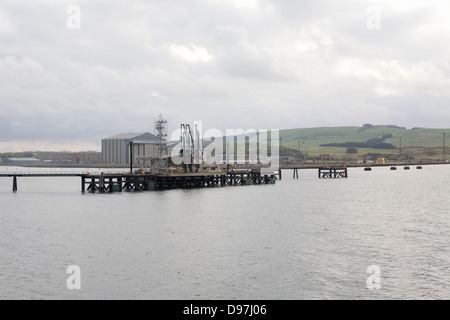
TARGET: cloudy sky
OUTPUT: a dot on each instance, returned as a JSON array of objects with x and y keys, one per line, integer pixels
[{"x": 73, "y": 72}]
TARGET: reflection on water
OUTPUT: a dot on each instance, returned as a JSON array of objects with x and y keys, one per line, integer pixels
[{"x": 298, "y": 239}]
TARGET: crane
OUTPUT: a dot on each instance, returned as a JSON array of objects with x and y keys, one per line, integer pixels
[{"x": 191, "y": 148}]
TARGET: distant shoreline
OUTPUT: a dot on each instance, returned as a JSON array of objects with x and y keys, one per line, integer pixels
[
  {"x": 61, "y": 165},
  {"x": 302, "y": 165}
]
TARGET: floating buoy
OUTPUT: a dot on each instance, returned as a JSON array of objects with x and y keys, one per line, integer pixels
[{"x": 393, "y": 168}]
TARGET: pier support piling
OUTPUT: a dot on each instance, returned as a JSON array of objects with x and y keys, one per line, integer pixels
[
  {"x": 144, "y": 182},
  {"x": 333, "y": 172},
  {"x": 14, "y": 189}
]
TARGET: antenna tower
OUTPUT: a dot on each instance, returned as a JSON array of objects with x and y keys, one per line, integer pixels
[{"x": 161, "y": 145}]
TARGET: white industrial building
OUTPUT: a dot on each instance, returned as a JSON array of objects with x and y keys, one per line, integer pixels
[
  {"x": 21, "y": 161},
  {"x": 116, "y": 149}
]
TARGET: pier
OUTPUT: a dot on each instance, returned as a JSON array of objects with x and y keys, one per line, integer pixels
[
  {"x": 15, "y": 175},
  {"x": 333, "y": 172},
  {"x": 233, "y": 176},
  {"x": 323, "y": 172},
  {"x": 106, "y": 183},
  {"x": 118, "y": 182}
]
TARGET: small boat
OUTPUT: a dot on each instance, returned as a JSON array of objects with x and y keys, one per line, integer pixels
[
  {"x": 393, "y": 168},
  {"x": 419, "y": 167},
  {"x": 368, "y": 169},
  {"x": 406, "y": 168}
]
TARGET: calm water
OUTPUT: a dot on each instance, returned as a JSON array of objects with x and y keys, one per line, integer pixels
[{"x": 298, "y": 239}]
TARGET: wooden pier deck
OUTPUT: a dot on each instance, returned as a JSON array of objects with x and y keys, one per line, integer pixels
[
  {"x": 145, "y": 182},
  {"x": 15, "y": 175},
  {"x": 333, "y": 172},
  {"x": 122, "y": 181}
]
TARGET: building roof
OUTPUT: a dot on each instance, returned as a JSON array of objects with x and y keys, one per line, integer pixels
[
  {"x": 22, "y": 160},
  {"x": 145, "y": 141},
  {"x": 134, "y": 136}
]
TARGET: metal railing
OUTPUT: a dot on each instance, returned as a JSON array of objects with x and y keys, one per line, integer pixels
[{"x": 43, "y": 173}]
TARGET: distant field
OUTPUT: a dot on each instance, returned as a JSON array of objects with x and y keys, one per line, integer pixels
[{"x": 416, "y": 143}]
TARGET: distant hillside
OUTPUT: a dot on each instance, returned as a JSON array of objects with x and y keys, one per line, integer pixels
[{"x": 370, "y": 141}]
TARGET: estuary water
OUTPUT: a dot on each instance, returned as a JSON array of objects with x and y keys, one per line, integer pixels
[{"x": 375, "y": 235}]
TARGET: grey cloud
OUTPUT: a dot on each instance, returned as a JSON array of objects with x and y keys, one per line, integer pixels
[{"x": 261, "y": 64}]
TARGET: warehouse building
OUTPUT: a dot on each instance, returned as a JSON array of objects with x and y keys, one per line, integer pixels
[
  {"x": 116, "y": 149},
  {"x": 21, "y": 161}
]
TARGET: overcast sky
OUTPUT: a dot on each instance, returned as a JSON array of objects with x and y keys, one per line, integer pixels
[{"x": 74, "y": 72}]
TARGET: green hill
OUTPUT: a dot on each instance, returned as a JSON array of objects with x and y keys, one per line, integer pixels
[{"x": 416, "y": 143}]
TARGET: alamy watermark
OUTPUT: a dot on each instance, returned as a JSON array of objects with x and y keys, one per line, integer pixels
[
  {"x": 236, "y": 146},
  {"x": 374, "y": 20},
  {"x": 73, "y": 22},
  {"x": 374, "y": 280},
  {"x": 74, "y": 280}
]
